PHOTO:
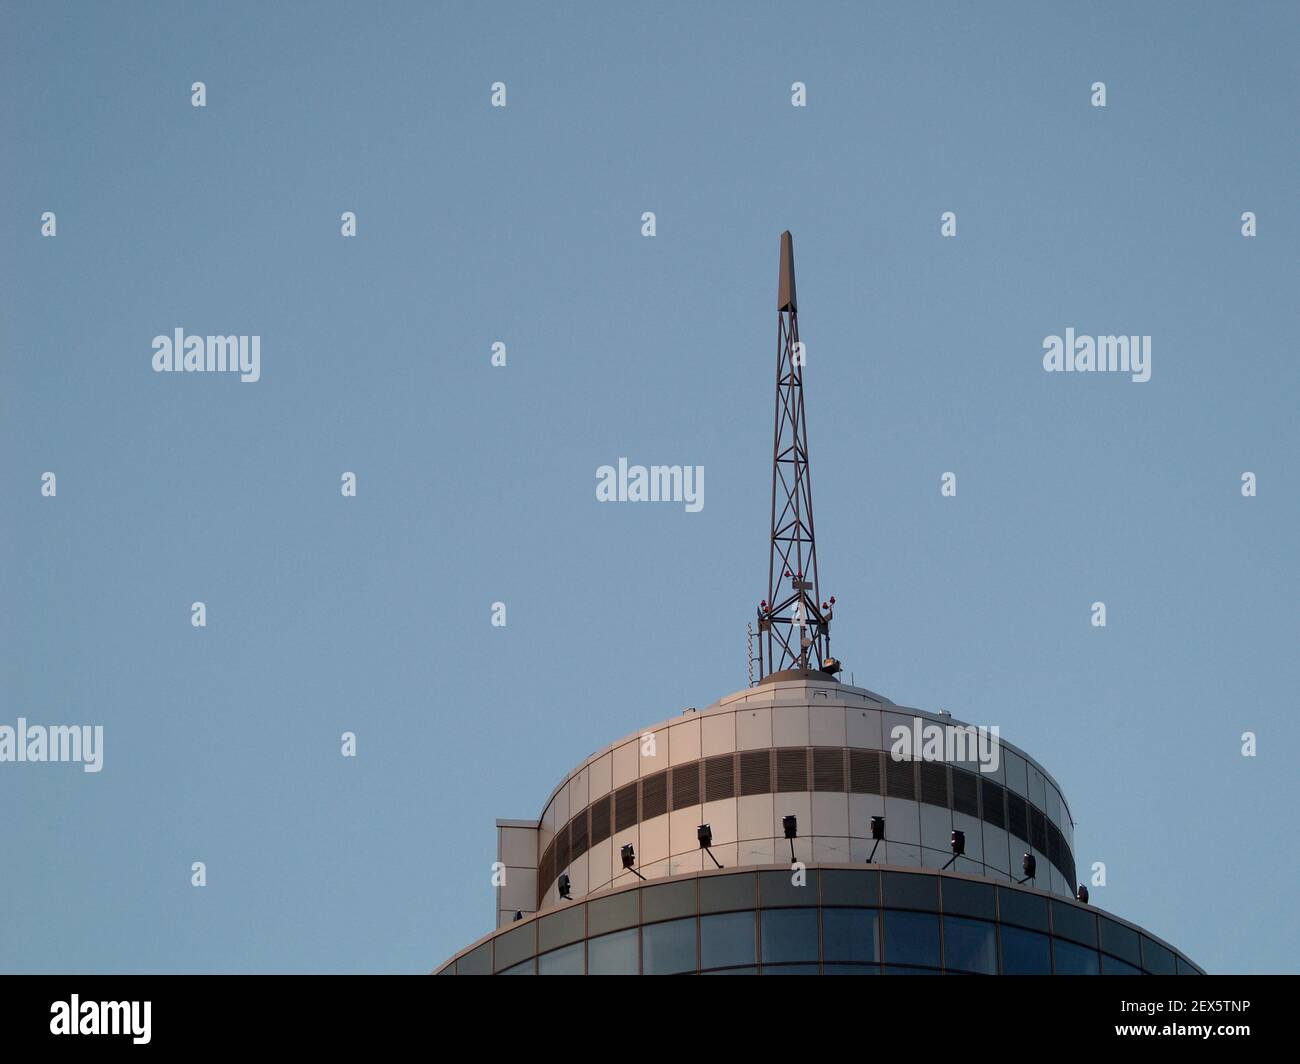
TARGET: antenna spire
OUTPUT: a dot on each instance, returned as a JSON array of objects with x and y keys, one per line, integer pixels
[{"x": 793, "y": 621}]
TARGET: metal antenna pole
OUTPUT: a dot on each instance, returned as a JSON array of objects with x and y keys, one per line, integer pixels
[{"x": 793, "y": 617}]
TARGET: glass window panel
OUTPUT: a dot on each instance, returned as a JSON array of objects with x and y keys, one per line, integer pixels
[
  {"x": 529, "y": 967},
  {"x": 969, "y": 945},
  {"x": 789, "y": 935},
  {"x": 852, "y": 969},
  {"x": 723, "y": 892},
  {"x": 843, "y": 887},
  {"x": 559, "y": 929},
  {"x": 778, "y": 888},
  {"x": 961, "y": 897},
  {"x": 613, "y": 913},
  {"x": 514, "y": 946},
  {"x": 911, "y": 971},
  {"x": 1185, "y": 967},
  {"x": 911, "y": 938},
  {"x": 907, "y": 891},
  {"x": 479, "y": 962},
  {"x": 1111, "y": 966},
  {"x": 668, "y": 948},
  {"x": 1022, "y": 908},
  {"x": 733, "y": 971},
  {"x": 1072, "y": 959},
  {"x": 1074, "y": 922},
  {"x": 726, "y": 939},
  {"x": 1120, "y": 940},
  {"x": 851, "y": 935},
  {"x": 565, "y": 961},
  {"x": 614, "y": 954},
  {"x": 790, "y": 969},
  {"x": 668, "y": 901},
  {"x": 1025, "y": 952},
  {"x": 1156, "y": 959}
]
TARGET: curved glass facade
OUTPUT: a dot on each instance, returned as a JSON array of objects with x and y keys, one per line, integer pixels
[{"x": 838, "y": 921}]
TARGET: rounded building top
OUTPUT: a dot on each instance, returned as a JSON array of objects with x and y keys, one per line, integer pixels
[{"x": 831, "y": 756}]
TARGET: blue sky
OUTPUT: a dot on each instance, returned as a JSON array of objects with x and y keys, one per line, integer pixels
[{"x": 476, "y": 484}]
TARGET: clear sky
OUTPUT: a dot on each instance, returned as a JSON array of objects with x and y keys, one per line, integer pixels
[{"x": 476, "y": 484}]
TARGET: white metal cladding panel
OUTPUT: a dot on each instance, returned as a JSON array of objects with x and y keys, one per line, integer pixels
[
  {"x": 623, "y": 838},
  {"x": 830, "y": 815},
  {"x": 754, "y": 815},
  {"x": 558, "y": 812},
  {"x": 601, "y": 776},
  {"x": 997, "y": 848},
  {"x": 600, "y": 864},
  {"x": 682, "y": 826},
  {"x": 798, "y": 804},
  {"x": 625, "y": 764},
  {"x": 684, "y": 742},
  {"x": 519, "y": 893},
  {"x": 1017, "y": 772},
  {"x": 894, "y": 724},
  {"x": 717, "y": 734},
  {"x": 998, "y": 775},
  {"x": 654, "y": 841},
  {"x": 1036, "y": 787},
  {"x": 721, "y": 815},
  {"x": 903, "y": 821},
  {"x": 789, "y": 726},
  {"x": 827, "y": 725},
  {"x": 580, "y": 875},
  {"x": 832, "y": 850},
  {"x": 900, "y": 853},
  {"x": 579, "y": 791},
  {"x": 754, "y": 728},
  {"x": 1053, "y": 807},
  {"x": 517, "y": 846},
  {"x": 654, "y": 755},
  {"x": 936, "y": 827},
  {"x": 691, "y": 861},
  {"x": 862, "y": 728},
  {"x": 973, "y": 830},
  {"x": 933, "y": 858}
]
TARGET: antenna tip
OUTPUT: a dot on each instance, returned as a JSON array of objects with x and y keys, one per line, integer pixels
[{"x": 785, "y": 294}]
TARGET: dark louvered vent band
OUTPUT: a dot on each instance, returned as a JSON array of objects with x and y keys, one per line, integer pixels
[
  {"x": 934, "y": 782},
  {"x": 600, "y": 820},
  {"x": 994, "y": 803},
  {"x": 756, "y": 772},
  {"x": 864, "y": 771},
  {"x": 794, "y": 769},
  {"x": 578, "y": 833},
  {"x": 828, "y": 769},
  {"x": 624, "y": 808},
  {"x": 965, "y": 793},
  {"x": 686, "y": 785},
  {"x": 562, "y": 847},
  {"x": 900, "y": 778},
  {"x": 720, "y": 778},
  {"x": 1038, "y": 829},
  {"x": 1017, "y": 816},
  {"x": 654, "y": 796}
]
